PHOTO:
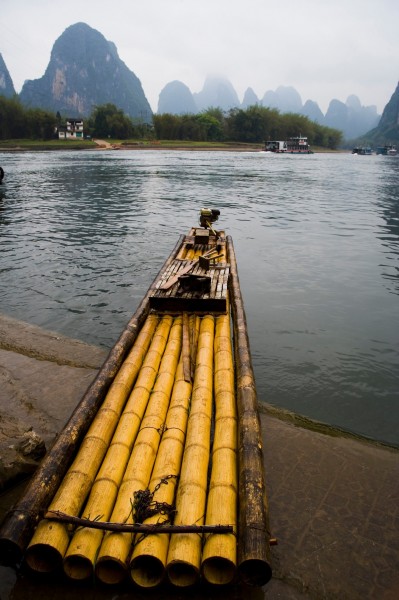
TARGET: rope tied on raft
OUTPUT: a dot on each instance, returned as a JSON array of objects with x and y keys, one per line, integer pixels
[
  {"x": 135, "y": 527},
  {"x": 144, "y": 506}
]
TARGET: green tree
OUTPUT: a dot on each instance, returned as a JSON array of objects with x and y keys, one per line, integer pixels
[{"x": 108, "y": 120}]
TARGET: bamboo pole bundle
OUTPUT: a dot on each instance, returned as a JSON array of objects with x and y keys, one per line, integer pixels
[
  {"x": 111, "y": 564},
  {"x": 148, "y": 562},
  {"x": 219, "y": 553},
  {"x": 253, "y": 532},
  {"x": 50, "y": 540},
  {"x": 82, "y": 550},
  {"x": 20, "y": 521},
  {"x": 184, "y": 555}
]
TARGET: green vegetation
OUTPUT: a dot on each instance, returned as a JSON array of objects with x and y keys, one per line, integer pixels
[
  {"x": 109, "y": 121},
  {"x": 53, "y": 144},
  {"x": 253, "y": 125},
  {"x": 19, "y": 122}
]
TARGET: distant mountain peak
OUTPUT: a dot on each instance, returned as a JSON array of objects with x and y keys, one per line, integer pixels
[
  {"x": 175, "y": 98},
  {"x": 218, "y": 92},
  {"x": 6, "y": 84},
  {"x": 85, "y": 71}
]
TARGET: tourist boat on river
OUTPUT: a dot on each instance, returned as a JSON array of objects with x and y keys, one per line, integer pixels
[
  {"x": 294, "y": 145},
  {"x": 158, "y": 476},
  {"x": 387, "y": 150},
  {"x": 362, "y": 151}
]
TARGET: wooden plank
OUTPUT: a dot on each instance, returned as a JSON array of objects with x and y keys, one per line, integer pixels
[{"x": 168, "y": 284}]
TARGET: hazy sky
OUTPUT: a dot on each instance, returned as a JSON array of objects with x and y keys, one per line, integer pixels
[{"x": 324, "y": 48}]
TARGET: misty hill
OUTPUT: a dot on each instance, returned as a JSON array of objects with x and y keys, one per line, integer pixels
[
  {"x": 286, "y": 99},
  {"x": 387, "y": 130},
  {"x": 350, "y": 117},
  {"x": 85, "y": 71},
  {"x": 177, "y": 99},
  {"x": 6, "y": 84},
  {"x": 250, "y": 98},
  {"x": 312, "y": 110},
  {"x": 217, "y": 92}
]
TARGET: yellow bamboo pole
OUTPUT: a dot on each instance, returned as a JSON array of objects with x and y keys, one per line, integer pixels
[
  {"x": 81, "y": 553},
  {"x": 184, "y": 555},
  {"x": 111, "y": 566},
  {"x": 219, "y": 553},
  {"x": 194, "y": 333},
  {"x": 50, "y": 540},
  {"x": 190, "y": 254},
  {"x": 148, "y": 562}
]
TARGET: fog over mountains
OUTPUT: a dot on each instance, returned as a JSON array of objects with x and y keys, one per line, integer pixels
[
  {"x": 350, "y": 117},
  {"x": 85, "y": 71}
]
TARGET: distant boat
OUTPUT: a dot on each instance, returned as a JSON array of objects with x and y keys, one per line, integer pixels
[
  {"x": 276, "y": 146},
  {"x": 387, "y": 150},
  {"x": 294, "y": 145},
  {"x": 362, "y": 150}
]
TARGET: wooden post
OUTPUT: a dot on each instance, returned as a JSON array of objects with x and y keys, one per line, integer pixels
[
  {"x": 253, "y": 531},
  {"x": 19, "y": 522}
]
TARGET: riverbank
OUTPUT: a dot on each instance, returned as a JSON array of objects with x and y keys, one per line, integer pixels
[
  {"x": 333, "y": 500},
  {"x": 111, "y": 144}
]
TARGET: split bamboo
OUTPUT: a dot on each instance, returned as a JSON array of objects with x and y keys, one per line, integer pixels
[
  {"x": 50, "y": 540},
  {"x": 19, "y": 523},
  {"x": 253, "y": 531},
  {"x": 111, "y": 566},
  {"x": 82, "y": 550},
  {"x": 184, "y": 555},
  {"x": 219, "y": 555},
  {"x": 148, "y": 562}
]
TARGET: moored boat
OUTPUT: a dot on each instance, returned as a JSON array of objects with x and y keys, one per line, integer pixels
[
  {"x": 158, "y": 475},
  {"x": 294, "y": 145},
  {"x": 298, "y": 145},
  {"x": 387, "y": 150},
  {"x": 276, "y": 146},
  {"x": 362, "y": 150}
]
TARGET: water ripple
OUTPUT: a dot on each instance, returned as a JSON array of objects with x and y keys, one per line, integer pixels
[{"x": 317, "y": 239}]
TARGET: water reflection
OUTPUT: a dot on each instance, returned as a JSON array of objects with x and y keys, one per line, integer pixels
[
  {"x": 387, "y": 202},
  {"x": 83, "y": 235}
]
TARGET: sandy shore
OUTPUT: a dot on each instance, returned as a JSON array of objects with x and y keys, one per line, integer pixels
[{"x": 333, "y": 499}]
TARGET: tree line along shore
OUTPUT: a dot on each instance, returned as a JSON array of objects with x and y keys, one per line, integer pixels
[{"x": 22, "y": 127}]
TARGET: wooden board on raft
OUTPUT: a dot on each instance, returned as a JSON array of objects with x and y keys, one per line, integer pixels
[
  {"x": 169, "y": 295},
  {"x": 173, "y": 298}
]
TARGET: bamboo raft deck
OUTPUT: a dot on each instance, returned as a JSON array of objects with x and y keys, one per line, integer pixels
[{"x": 158, "y": 475}]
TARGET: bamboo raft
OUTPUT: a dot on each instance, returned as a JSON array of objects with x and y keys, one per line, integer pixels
[{"x": 158, "y": 475}]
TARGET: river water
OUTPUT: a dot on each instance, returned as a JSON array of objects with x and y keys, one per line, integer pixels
[{"x": 82, "y": 235}]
